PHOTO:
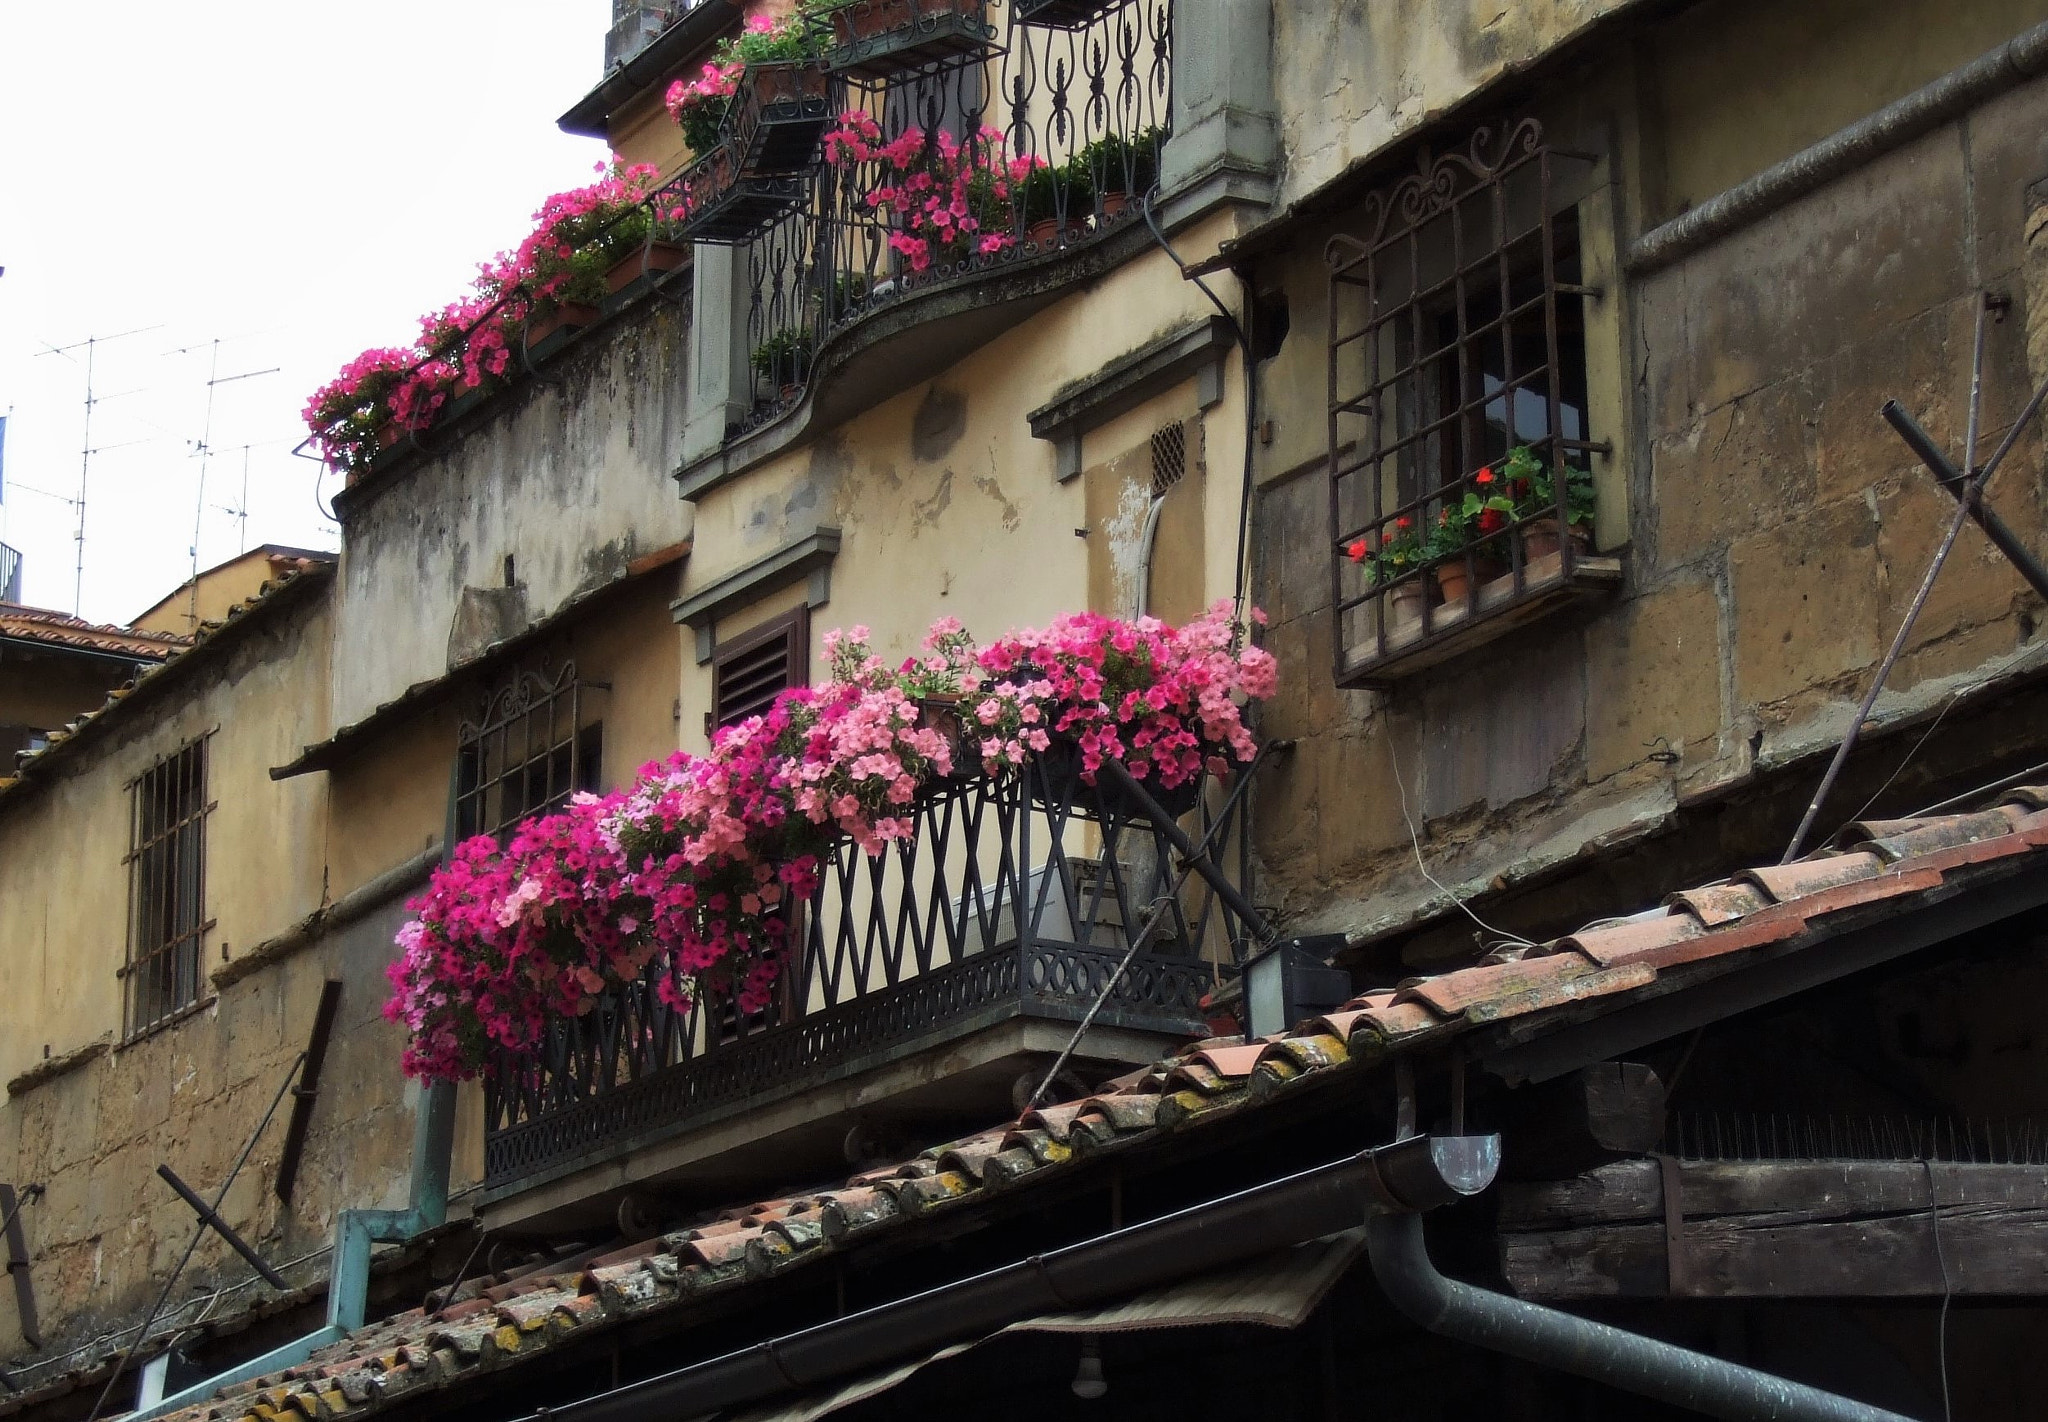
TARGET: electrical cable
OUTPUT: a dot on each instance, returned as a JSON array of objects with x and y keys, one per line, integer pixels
[
  {"x": 1947, "y": 1289},
  {"x": 1415, "y": 842},
  {"x": 1251, "y": 394}
]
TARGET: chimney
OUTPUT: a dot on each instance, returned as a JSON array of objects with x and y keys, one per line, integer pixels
[{"x": 635, "y": 23}]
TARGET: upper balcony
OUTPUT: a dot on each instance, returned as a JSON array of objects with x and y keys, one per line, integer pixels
[
  {"x": 938, "y": 172},
  {"x": 931, "y": 985}
]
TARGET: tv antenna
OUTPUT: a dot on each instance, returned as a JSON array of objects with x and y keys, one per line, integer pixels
[
  {"x": 214, "y": 379},
  {"x": 90, "y": 346}
]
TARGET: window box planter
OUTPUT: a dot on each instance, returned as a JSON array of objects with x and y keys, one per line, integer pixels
[
  {"x": 549, "y": 333},
  {"x": 725, "y": 204},
  {"x": 880, "y": 38},
  {"x": 779, "y": 115},
  {"x": 1061, "y": 14},
  {"x": 646, "y": 266},
  {"x": 1056, "y": 783},
  {"x": 1050, "y": 232}
]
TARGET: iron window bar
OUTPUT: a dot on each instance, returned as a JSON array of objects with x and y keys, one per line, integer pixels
[
  {"x": 527, "y": 750},
  {"x": 1455, "y": 336},
  {"x": 166, "y": 864}
]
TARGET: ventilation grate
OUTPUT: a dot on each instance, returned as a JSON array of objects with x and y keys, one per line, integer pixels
[{"x": 1169, "y": 457}]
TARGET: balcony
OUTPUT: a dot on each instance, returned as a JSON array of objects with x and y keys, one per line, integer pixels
[
  {"x": 930, "y": 984},
  {"x": 1044, "y": 120}
]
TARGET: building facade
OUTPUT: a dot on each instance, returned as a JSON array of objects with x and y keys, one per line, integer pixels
[{"x": 1524, "y": 368}]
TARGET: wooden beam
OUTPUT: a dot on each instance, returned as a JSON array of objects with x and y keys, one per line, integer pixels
[
  {"x": 1782, "y": 1229},
  {"x": 308, "y": 1089},
  {"x": 17, "y": 1262},
  {"x": 1582, "y": 1120}
]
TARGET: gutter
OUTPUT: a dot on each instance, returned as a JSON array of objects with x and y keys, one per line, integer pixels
[
  {"x": 1896, "y": 124},
  {"x": 1552, "y": 1338},
  {"x": 1414, "y": 1174}
]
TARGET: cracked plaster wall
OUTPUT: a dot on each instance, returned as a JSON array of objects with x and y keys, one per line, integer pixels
[{"x": 568, "y": 476}]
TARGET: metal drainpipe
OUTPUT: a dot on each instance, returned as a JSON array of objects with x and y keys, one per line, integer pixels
[{"x": 1552, "y": 1338}]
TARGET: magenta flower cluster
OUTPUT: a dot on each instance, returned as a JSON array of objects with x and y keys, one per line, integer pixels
[
  {"x": 471, "y": 344},
  {"x": 945, "y": 199},
  {"x": 690, "y": 873}
]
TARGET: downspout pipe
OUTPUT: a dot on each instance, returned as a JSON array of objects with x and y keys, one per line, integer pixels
[
  {"x": 2019, "y": 59},
  {"x": 1419, "y": 1173},
  {"x": 1552, "y": 1338}
]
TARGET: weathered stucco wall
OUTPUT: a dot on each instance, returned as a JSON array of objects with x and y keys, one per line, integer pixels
[
  {"x": 1777, "y": 531},
  {"x": 949, "y": 506},
  {"x": 567, "y": 476}
]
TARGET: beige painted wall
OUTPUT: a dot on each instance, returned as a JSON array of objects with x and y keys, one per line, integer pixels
[
  {"x": 1776, "y": 527},
  {"x": 949, "y": 506}
]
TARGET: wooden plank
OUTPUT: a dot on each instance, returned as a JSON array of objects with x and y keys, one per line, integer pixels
[
  {"x": 1782, "y": 1229},
  {"x": 1815, "y": 1189},
  {"x": 308, "y": 1089},
  {"x": 1590, "y": 1116},
  {"x": 1990, "y": 1251}
]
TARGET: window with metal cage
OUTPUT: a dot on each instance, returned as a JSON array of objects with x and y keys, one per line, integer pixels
[
  {"x": 167, "y": 923},
  {"x": 534, "y": 742},
  {"x": 1460, "y": 440}
]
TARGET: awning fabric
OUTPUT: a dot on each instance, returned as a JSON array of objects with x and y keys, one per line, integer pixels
[{"x": 1278, "y": 1290}]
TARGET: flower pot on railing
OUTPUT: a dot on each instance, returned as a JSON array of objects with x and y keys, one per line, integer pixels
[
  {"x": 650, "y": 262},
  {"x": 1540, "y": 539},
  {"x": 880, "y": 38},
  {"x": 1060, "y": 14},
  {"x": 943, "y": 714},
  {"x": 1454, "y": 579},
  {"x": 547, "y": 333},
  {"x": 713, "y": 201},
  {"x": 1055, "y": 778},
  {"x": 1050, "y": 232},
  {"x": 1405, "y": 602},
  {"x": 779, "y": 116}
]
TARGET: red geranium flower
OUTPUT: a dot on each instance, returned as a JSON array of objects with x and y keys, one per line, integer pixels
[
  {"x": 1484, "y": 476},
  {"x": 1403, "y": 522},
  {"x": 1357, "y": 549}
]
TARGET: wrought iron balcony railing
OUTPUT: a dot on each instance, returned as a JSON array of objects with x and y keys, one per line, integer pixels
[
  {"x": 1017, "y": 897},
  {"x": 1051, "y": 114}
]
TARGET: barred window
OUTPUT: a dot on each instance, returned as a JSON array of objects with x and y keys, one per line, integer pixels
[
  {"x": 1460, "y": 474},
  {"x": 167, "y": 921},
  {"x": 533, "y": 744},
  {"x": 748, "y": 673}
]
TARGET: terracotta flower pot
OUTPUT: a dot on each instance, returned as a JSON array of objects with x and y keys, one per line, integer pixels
[
  {"x": 649, "y": 261},
  {"x": 1454, "y": 579},
  {"x": 1114, "y": 205},
  {"x": 1405, "y": 601},
  {"x": 390, "y": 434},
  {"x": 1540, "y": 540},
  {"x": 1046, "y": 231},
  {"x": 569, "y": 316}
]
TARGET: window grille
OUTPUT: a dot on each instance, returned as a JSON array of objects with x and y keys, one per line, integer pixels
[
  {"x": 529, "y": 749},
  {"x": 1456, "y": 336},
  {"x": 167, "y": 921},
  {"x": 750, "y": 671},
  {"x": 1169, "y": 457}
]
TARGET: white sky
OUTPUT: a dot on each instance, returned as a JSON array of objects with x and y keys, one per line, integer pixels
[{"x": 299, "y": 181}]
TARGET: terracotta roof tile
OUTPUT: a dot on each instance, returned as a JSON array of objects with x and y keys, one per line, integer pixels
[
  {"x": 60, "y": 629},
  {"x": 1785, "y": 882},
  {"x": 1760, "y": 908}
]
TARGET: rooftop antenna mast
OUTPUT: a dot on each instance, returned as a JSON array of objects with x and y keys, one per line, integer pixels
[
  {"x": 214, "y": 379},
  {"x": 90, "y": 346}
]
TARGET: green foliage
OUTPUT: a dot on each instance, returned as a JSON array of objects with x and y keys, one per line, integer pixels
[
  {"x": 784, "y": 358},
  {"x": 1531, "y": 484}
]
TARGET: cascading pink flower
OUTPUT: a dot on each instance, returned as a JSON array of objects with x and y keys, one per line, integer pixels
[{"x": 689, "y": 874}]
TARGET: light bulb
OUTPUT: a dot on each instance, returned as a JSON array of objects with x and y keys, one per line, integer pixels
[{"x": 1088, "y": 1379}]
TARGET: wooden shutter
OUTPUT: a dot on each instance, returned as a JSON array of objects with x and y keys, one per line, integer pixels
[{"x": 748, "y": 672}]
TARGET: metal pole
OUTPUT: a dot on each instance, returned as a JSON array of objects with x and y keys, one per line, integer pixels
[
  {"x": 1995, "y": 528},
  {"x": 1964, "y": 502},
  {"x": 208, "y": 1215},
  {"x": 198, "y": 1234}
]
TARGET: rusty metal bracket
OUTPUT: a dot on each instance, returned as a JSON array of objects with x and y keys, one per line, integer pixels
[
  {"x": 211, "y": 1218},
  {"x": 307, "y": 1091},
  {"x": 18, "y": 1262},
  {"x": 1677, "y": 1282}
]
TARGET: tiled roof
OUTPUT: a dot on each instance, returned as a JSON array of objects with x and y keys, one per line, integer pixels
[
  {"x": 61, "y": 629},
  {"x": 302, "y": 576},
  {"x": 497, "y": 1322}
]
